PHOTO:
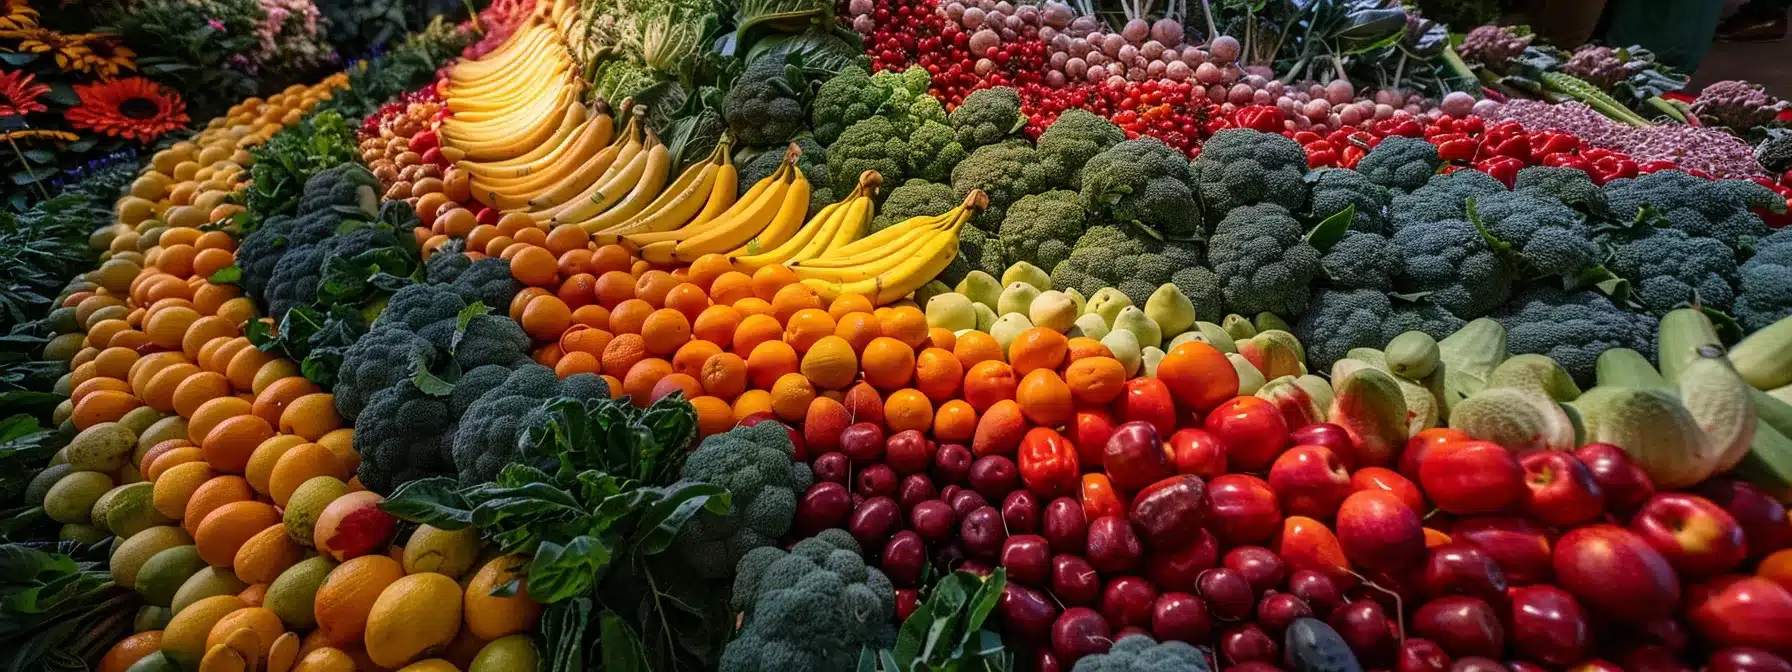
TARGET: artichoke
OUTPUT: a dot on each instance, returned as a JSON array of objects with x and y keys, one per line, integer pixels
[
  {"x": 1493, "y": 46},
  {"x": 1736, "y": 104}
]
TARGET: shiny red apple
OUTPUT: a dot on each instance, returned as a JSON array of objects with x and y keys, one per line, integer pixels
[
  {"x": 1306, "y": 543},
  {"x": 1198, "y": 452},
  {"x": 1472, "y": 477},
  {"x": 1244, "y": 509},
  {"x": 1743, "y": 611},
  {"x": 1134, "y": 457},
  {"x": 1549, "y": 625},
  {"x": 1252, "y": 430},
  {"x": 1464, "y": 626},
  {"x": 1520, "y": 546},
  {"x": 1616, "y": 573},
  {"x": 1309, "y": 481},
  {"x": 1378, "y": 531},
  {"x": 1462, "y": 568},
  {"x": 1382, "y": 478},
  {"x": 1624, "y": 484},
  {"x": 1763, "y": 519},
  {"x": 1698, "y": 537},
  {"x": 1329, "y": 435},
  {"x": 1562, "y": 491}
]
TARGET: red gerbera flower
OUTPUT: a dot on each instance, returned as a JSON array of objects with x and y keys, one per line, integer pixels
[
  {"x": 18, "y": 94},
  {"x": 133, "y": 108}
]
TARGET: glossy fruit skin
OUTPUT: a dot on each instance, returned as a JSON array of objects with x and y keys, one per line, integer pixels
[
  {"x": 1743, "y": 611},
  {"x": 1169, "y": 512},
  {"x": 1382, "y": 478},
  {"x": 1763, "y": 520},
  {"x": 1462, "y": 568},
  {"x": 1464, "y": 626},
  {"x": 1134, "y": 457},
  {"x": 1252, "y": 430},
  {"x": 1562, "y": 491},
  {"x": 1549, "y": 625},
  {"x": 1418, "y": 654},
  {"x": 1698, "y": 537},
  {"x": 1616, "y": 573},
  {"x": 1472, "y": 477},
  {"x": 1746, "y": 659},
  {"x": 1623, "y": 484},
  {"x": 1309, "y": 481},
  {"x": 1198, "y": 452},
  {"x": 1329, "y": 435},
  {"x": 1379, "y": 531},
  {"x": 1521, "y": 547},
  {"x": 1244, "y": 509}
]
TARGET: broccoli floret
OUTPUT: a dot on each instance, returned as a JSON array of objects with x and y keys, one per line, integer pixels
[
  {"x": 405, "y": 435},
  {"x": 1138, "y": 653},
  {"x": 1571, "y": 186},
  {"x": 347, "y": 186},
  {"x": 910, "y": 105},
  {"x": 1040, "y": 228},
  {"x": 813, "y": 162},
  {"x": 987, "y": 116},
  {"x": 1334, "y": 189},
  {"x": 1451, "y": 264},
  {"x": 448, "y": 262},
  {"x": 754, "y": 464},
  {"x": 487, "y": 438},
  {"x": 764, "y": 108},
  {"x": 1239, "y": 166},
  {"x": 1136, "y": 264},
  {"x": 487, "y": 339},
  {"x": 847, "y": 98},
  {"x": 1400, "y": 162},
  {"x": 1573, "y": 327},
  {"x": 1552, "y": 238},
  {"x": 1075, "y": 137},
  {"x": 417, "y": 306},
  {"x": 1764, "y": 283},
  {"x": 870, "y": 144},
  {"x": 812, "y": 609},
  {"x": 295, "y": 279},
  {"x": 1005, "y": 172},
  {"x": 1261, "y": 254},
  {"x": 933, "y": 152},
  {"x": 1444, "y": 197},
  {"x": 1338, "y": 320},
  {"x": 487, "y": 281},
  {"x": 1697, "y": 206},
  {"x": 375, "y": 362},
  {"x": 915, "y": 198},
  {"x": 261, "y": 250},
  {"x": 1362, "y": 261},
  {"x": 978, "y": 250},
  {"x": 1146, "y": 183},
  {"x": 1666, "y": 267}
]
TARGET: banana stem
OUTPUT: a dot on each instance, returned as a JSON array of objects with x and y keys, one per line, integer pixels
[
  {"x": 976, "y": 200},
  {"x": 791, "y": 154},
  {"x": 869, "y": 181}
]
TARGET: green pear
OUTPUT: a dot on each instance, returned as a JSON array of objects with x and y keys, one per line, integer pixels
[
  {"x": 1217, "y": 336},
  {"x": 1266, "y": 321},
  {"x": 980, "y": 287},
  {"x": 1249, "y": 378},
  {"x": 1077, "y": 298},
  {"x": 1149, "y": 358},
  {"x": 1132, "y": 319},
  {"x": 1125, "y": 347},
  {"x": 1016, "y": 298},
  {"x": 1239, "y": 327},
  {"x": 1053, "y": 310},
  {"x": 986, "y": 316},
  {"x": 1107, "y": 303},
  {"x": 1009, "y": 327},
  {"x": 1090, "y": 325},
  {"x": 930, "y": 290},
  {"x": 951, "y": 310},
  {"x": 1027, "y": 273},
  {"x": 1171, "y": 309}
]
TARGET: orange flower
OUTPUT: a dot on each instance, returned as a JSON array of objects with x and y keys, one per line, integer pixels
[
  {"x": 133, "y": 108},
  {"x": 106, "y": 55},
  {"x": 19, "y": 94},
  {"x": 69, "y": 50}
]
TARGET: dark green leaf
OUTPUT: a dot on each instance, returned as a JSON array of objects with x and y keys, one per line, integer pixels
[
  {"x": 564, "y": 572},
  {"x": 1329, "y": 231},
  {"x": 661, "y": 523},
  {"x": 621, "y": 648},
  {"x": 434, "y": 501},
  {"x": 228, "y": 275},
  {"x": 429, "y": 384}
]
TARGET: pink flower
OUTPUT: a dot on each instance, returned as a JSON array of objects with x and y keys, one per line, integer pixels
[{"x": 215, "y": 24}]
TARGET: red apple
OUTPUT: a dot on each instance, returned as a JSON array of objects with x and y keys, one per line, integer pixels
[
  {"x": 1382, "y": 478},
  {"x": 1075, "y": 581},
  {"x": 1418, "y": 654},
  {"x": 1065, "y": 526},
  {"x": 1259, "y": 566},
  {"x": 1245, "y": 510},
  {"x": 1147, "y": 399},
  {"x": 1028, "y": 558},
  {"x": 1248, "y": 643},
  {"x": 1319, "y": 590},
  {"x": 1422, "y": 442},
  {"x": 1699, "y": 538},
  {"x": 1329, "y": 435},
  {"x": 1549, "y": 625},
  {"x": 1134, "y": 457},
  {"x": 1464, "y": 626},
  {"x": 1180, "y": 617},
  {"x": 863, "y": 442},
  {"x": 1090, "y": 430},
  {"x": 1624, "y": 484},
  {"x": 1228, "y": 594},
  {"x": 1126, "y": 602},
  {"x": 1277, "y": 611},
  {"x": 1653, "y": 658},
  {"x": 1252, "y": 430},
  {"x": 1746, "y": 659},
  {"x": 1763, "y": 519},
  {"x": 1462, "y": 568},
  {"x": 1521, "y": 547},
  {"x": 1113, "y": 547},
  {"x": 1617, "y": 573},
  {"x": 1562, "y": 491},
  {"x": 1306, "y": 543},
  {"x": 1743, "y": 611},
  {"x": 909, "y": 452},
  {"x": 1198, "y": 452},
  {"x": 1366, "y": 627},
  {"x": 1472, "y": 477},
  {"x": 1168, "y": 513},
  {"x": 1309, "y": 481},
  {"x": 1078, "y": 632},
  {"x": 1179, "y": 569},
  {"x": 1378, "y": 531},
  {"x": 1480, "y": 664}
]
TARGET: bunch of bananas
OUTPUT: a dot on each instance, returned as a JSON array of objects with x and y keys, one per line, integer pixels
[
  {"x": 767, "y": 215},
  {"x": 516, "y": 98},
  {"x": 835, "y": 227},
  {"x": 700, "y": 194},
  {"x": 894, "y": 262}
]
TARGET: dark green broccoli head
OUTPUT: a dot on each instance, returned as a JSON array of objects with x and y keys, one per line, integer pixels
[
  {"x": 294, "y": 282},
  {"x": 404, "y": 435},
  {"x": 1570, "y": 186},
  {"x": 1146, "y": 183},
  {"x": 1005, "y": 172},
  {"x": 487, "y": 281},
  {"x": 1138, "y": 653},
  {"x": 915, "y": 198},
  {"x": 755, "y": 465},
  {"x": 850, "y": 96},
  {"x": 377, "y": 361},
  {"x": 1573, "y": 328},
  {"x": 1553, "y": 239},
  {"x": 1450, "y": 263},
  {"x": 987, "y": 116},
  {"x": 348, "y": 187},
  {"x": 764, "y": 108},
  {"x": 1075, "y": 137},
  {"x": 1764, "y": 283},
  {"x": 1136, "y": 264},
  {"x": 1040, "y": 228},
  {"x": 1666, "y": 267},
  {"x": 1444, "y": 197},
  {"x": 1334, "y": 189},
  {"x": 1239, "y": 166},
  {"x": 1362, "y": 261},
  {"x": 261, "y": 250},
  {"x": 1340, "y": 319},
  {"x": 1775, "y": 153},
  {"x": 1712, "y": 209},
  {"x": 489, "y": 431},
  {"x": 1400, "y": 162},
  {"x": 417, "y": 306},
  {"x": 1261, "y": 254},
  {"x": 870, "y": 144},
  {"x": 933, "y": 152},
  {"x": 811, "y": 609},
  {"x": 447, "y": 263},
  {"x": 978, "y": 250},
  {"x": 487, "y": 339},
  {"x": 813, "y": 162}
]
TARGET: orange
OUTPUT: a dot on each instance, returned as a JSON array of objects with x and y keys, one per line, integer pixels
[
  {"x": 653, "y": 286},
  {"x": 348, "y": 593},
  {"x": 581, "y": 338},
  {"x": 148, "y": 457},
  {"x": 858, "y": 328},
  {"x": 768, "y": 280},
  {"x": 642, "y": 377},
  {"x": 512, "y": 224},
  {"x": 730, "y": 287},
  {"x": 704, "y": 271},
  {"x": 575, "y": 262},
  {"x": 212, "y": 299},
  {"x": 176, "y": 485},
  {"x": 754, "y": 330},
  {"x": 1095, "y": 380},
  {"x": 955, "y": 421},
  {"x": 545, "y": 317},
  {"x": 1045, "y": 398},
  {"x": 567, "y": 238},
  {"x": 103, "y": 406},
  {"x": 210, "y": 495},
  {"x": 215, "y": 240},
  {"x": 691, "y": 356},
  {"x": 228, "y": 445},
  {"x": 1198, "y": 375},
  {"x": 530, "y": 237},
  {"x": 938, "y": 374},
  {"x": 791, "y": 395},
  {"x": 908, "y": 409},
  {"x": 168, "y": 326},
  {"x": 614, "y": 287},
  {"x": 237, "y": 310},
  {"x": 752, "y": 402},
  {"x": 977, "y": 346},
  {"x": 593, "y": 315},
  {"x": 622, "y": 353},
  {"x": 299, "y": 464},
  {"x": 665, "y": 330},
  {"x": 197, "y": 389},
  {"x": 158, "y": 392},
  {"x": 830, "y": 364},
  {"x": 202, "y": 331},
  {"x": 273, "y": 399},
  {"x": 171, "y": 458},
  {"x": 1083, "y": 346},
  {"x": 941, "y": 337},
  {"x": 129, "y": 650},
  {"x": 754, "y": 305},
  {"x": 1037, "y": 348},
  {"x": 905, "y": 323},
  {"x": 988, "y": 382},
  {"x": 687, "y": 298},
  {"x": 793, "y": 298},
  {"x": 177, "y": 260},
  {"x": 713, "y": 415},
  {"x": 116, "y": 363},
  {"x": 770, "y": 361},
  {"x": 723, "y": 374},
  {"x": 677, "y": 382},
  {"x": 612, "y": 258},
  {"x": 264, "y": 556},
  {"x": 579, "y": 290},
  {"x": 227, "y": 527},
  {"x": 490, "y": 616},
  {"x": 261, "y": 462},
  {"x": 342, "y": 443},
  {"x": 849, "y": 303},
  {"x": 807, "y": 326},
  {"x": 1777, "y": 567},
  {"x": 716, "y": 324},
  {"x": 207, "y": 262},
  {"x": 311, "y": 416},
  {"x": 261, "y": 621},
  {"x": 417, "y": 614},
  {"x": 576, "y": 362},
  {"x": 522, "y": 299},
  {"x": 888, "y": 363},
  {"x": 102, "y": 333},
  {"x": 92, "y": 385},
  {"x": 534, "y": 266},
  {"x": 242, "y": 368},
  {"x": 630, "y": 316},
  {"x": 326, "y": 659},
  {"x": 213, "y": 412},
  {"x": 498, "y": 245}
]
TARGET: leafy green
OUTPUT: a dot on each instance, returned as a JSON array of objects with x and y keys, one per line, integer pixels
[
  {"x": 945, "y": 634},
  {"x": 57, "y": 612},
  {"x": 291, "y": 157}
]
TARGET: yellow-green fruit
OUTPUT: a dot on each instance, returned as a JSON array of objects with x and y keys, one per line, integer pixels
[
  {"x": 133, "y": 510},
  {"x": 154, "y": 662},
  {"x": 102, "y": 447},
  {"x": 160, "y": 578},
  {"x": 115, "y": 275},
  {"x": 64, "y": 385},
  {"x": 134, "y": 552},
  {"x": 97, "y": 516},
  {"x": 102, "y": 238},
  {"x": 71, "y": 499},
  {"x": 115, "y": 312},
  {"x": 63, "y": 348},
  {"x": 63, "y": 412},
  {"x": 81, "y": 533},
  {"x": 62, "y": 320},
  {"x": 294, "y": 593},
  {"x": 140, "y": 419},
  {"x": 171, "y": 427},
  {"x": 41, "y": 483},
  {"x": 446, "y": 552},
  {"x": 515, "y": 653},
  {"x": 151, "y": 617},
  {"x": 184, "y": 638},
  {"x": 307, "y": 502},
  {"x": 208, "y": 582}
]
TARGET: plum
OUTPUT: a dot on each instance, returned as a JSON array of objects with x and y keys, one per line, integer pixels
[
  {"x": 874, "y": 521},
  {"x": 1113, "y": 548},
  {"x": 1075, "y": 581},
  {"x": 1065, "y": 526},
  {"x": 934, "y": 520},
  {"x": 1020, "y": 510},
  {"x": 825, "y": 505},
  {"x": 982, "y": 532}
]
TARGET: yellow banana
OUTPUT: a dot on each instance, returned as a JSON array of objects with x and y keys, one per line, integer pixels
[
  {"x": 589, "y": 176},
  {"x": 854, "y": 225},
  {"x": 700, "y": 224},
  {"x": 518, "y": 78},
  {"x": 880, "y": 244},
  {"x": 530, "y": 42},
  {"x": 723, "y": 196},
  {"x": 675, "y": 206},
  {"x": 851, "y": 216},
  {"x": 523, "y": 139},
  {"x": 760, "y": 230},
  {"x": 761, "y": 200},
  {"x": 902, "y": 279},
  {"x": 647, "y": 187},
  {"x": 610, "y": 191},
  {"x": 538, "y": 113},
  {"x": 819, "y": 226},
  {"x": 567, "y": 153},
  {"x": 599, "y": 122}
]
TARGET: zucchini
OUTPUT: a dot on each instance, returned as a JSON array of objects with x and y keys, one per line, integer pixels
[
  {"x": 1623, "y": 367},
  {"x": 1683, "y": 332},
  {"x": 1764, "y": 359}
]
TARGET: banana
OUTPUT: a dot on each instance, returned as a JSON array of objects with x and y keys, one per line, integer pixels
[
  {"x": 817, "y": 234},
  {"x": 531, "y": 41},
  {"x": 646, "y": 190},
  {"x": 854, "y": 216},
  {"x": 903, "y": 278},
  {"x": 760, "y": 203},
  {"x": 514, "y": 193},
  {"x": 769, "y": 221},
  {"x": 711, "y": 212},
  {"x": 881, "y": 261},
  {"x": 609, "y": 191},
  {"x": 887, "y": 246},
  {"x": 566, "y": 150},
  {"x": 675, "y": 206},
  {"x": 889, "y": 233},
  {"x": 852, "y": 227},
  {"x": 599, "y": 124},
  {"x": 589, "y": 177},
  {"x": 785, "y": 224},
  {"x": 524, "y": 138},
  {"x": 516, "y": 79},
  {"x": 536, "y": 114},
  {"x": 726, "y": 191}
]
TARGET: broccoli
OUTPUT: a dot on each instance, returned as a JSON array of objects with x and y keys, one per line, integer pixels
[
  {"x": 404, "y": 434},
  {"x": 811, "y": 609},
  {"x": 1334, "y": 189},
  {"x": 1571, "y": 186},
  {"x": 978, "y": 250},
  {"x": 1573, "y": 327},
  {"x": 1239, "y": 166},
  {"x": 1551, "y": 238},
  {"x": 907, "y": 137},
  {"x": 1137, "y": 264},
  {"x": 933, "y": 152},
  {"x": 848, "y": 98},
  {"x": 1400, "y": 162},
  {"x": 420, "y": 305},
  {"x": 487, "y": 281},
  {"x": 1764, "y": 283},
  {"x": 260, "y": 251},
  {"x": 1146, "y": 183},
  {"x": 1139, "y": 653},
  {"x": 987, "y": 116},
  {"x": 1040, "y": 228},
  {"x": 910, "y": 104},
  {"x": 764, "y": 108},
  {"x": 1338, "y": 320},
  {"x": 447, "y": 263},
  {"x": 487, "y": 438},
  {"x": 347, "y": 186},
  {"x": 813, "y": 162},
  {"x": 297, "y": 276},
  {"x": 870, "y": 144},
  {"x": 1005, "y": 172},
  {"x": 755, "y": 464},
  {"x": 1775, "y": 152},
  {"x": 1695, "y": 205},
  {"x": 1075, "y": 137},
  {"x": 1362, "y": 261},
  {"x": 1444, "y": 197},
  {"x": 1666, "y": 266},
  {"x": 1262, "y": 256},
  {"x": 375, "y": 362},
  {"x": 1450, "y": 263},
  {"x": 915, "y": 198},
  {"x": 487, "y": 339}
]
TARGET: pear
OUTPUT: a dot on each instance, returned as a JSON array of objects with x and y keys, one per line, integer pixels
[
  {"x": 1090, "y": 325},
  {"x": 930, "y": 290},
  {"x": 1249, "y": 378},
  {"x": 1077, "y": 298},
  {"x": 1170, "y": 309},
  {"x": 1132, "y": 319},
  {"x": 1239, "y": 327},
  {"x": 1027, "y": 273},
  {"x": 1052, "y": 310},
  {"x": 1016, "y": 298},
  {"x": 1107, "y": 303},
  {"x": 951, "y": 310},
  {"x": 1149, "y": 358},
  {"x": 1217, "y": 336},
  {"x": 980, "y": 287},
  {"x": 1009, "y": 327},
  {"x": 1125, "y": 347},
  {"x": 986, "y": 316},
  {"x": 1266, "y": 321}
]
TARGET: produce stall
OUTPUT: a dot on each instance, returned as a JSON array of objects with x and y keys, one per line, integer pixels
[{"x": 790, "y": 336}]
